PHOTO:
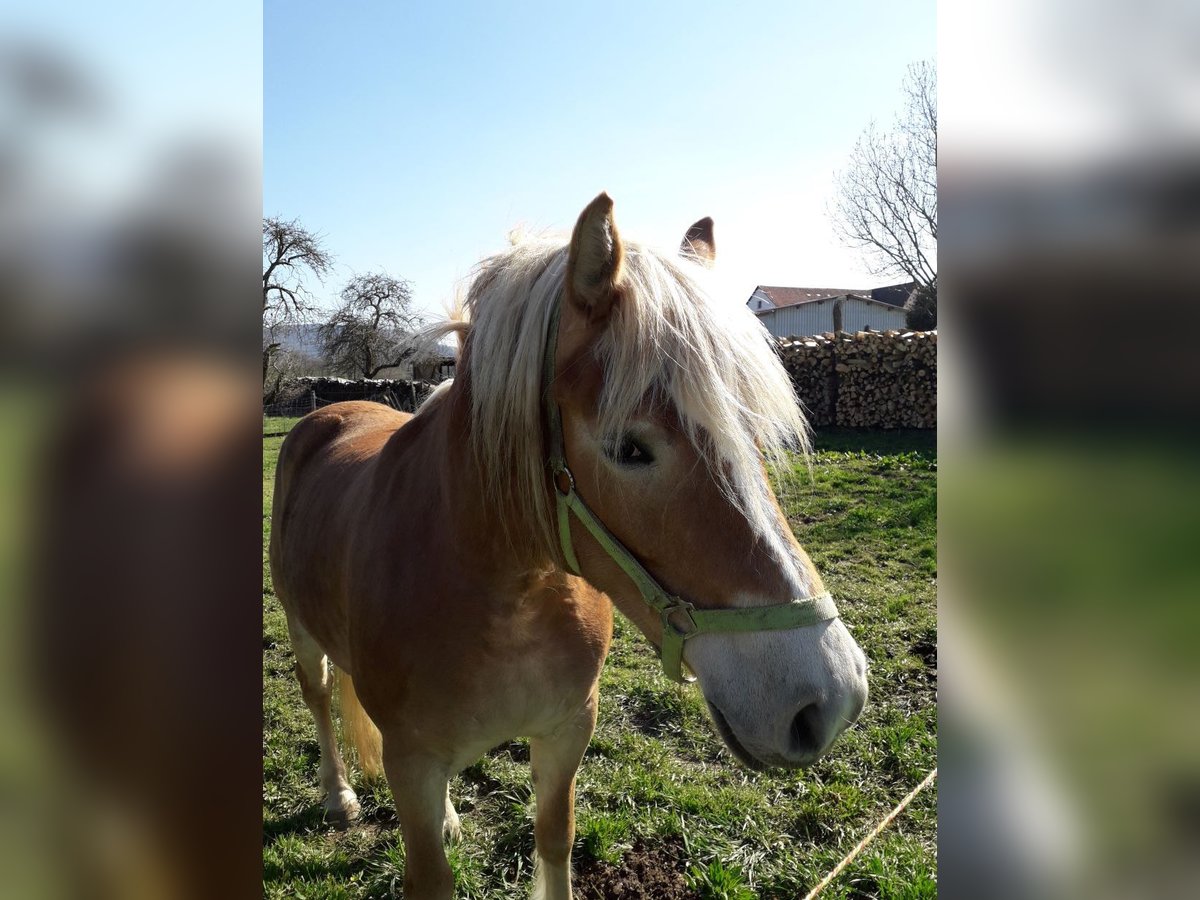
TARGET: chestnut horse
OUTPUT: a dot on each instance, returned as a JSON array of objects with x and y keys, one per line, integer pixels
[{"x": 607, "y": 437}]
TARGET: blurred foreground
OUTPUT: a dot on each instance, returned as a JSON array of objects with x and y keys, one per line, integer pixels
[
  {"x": 1068, "y": 413},
  {"x": 129, "y": 561}
]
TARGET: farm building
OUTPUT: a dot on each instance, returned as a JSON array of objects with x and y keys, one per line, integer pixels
[{"x": 794, "y": 311}]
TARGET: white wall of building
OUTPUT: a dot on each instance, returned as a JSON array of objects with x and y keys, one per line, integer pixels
[
  {"x": 858, "y": 315},
  {"x": 817, "y": 317},
  {"x": 758, "y": 300}
]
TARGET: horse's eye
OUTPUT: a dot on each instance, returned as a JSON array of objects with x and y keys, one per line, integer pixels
[{"x": 630, "y": 453}]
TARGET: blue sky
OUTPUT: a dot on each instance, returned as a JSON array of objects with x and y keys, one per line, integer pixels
[{"x": 414, "y": 137}]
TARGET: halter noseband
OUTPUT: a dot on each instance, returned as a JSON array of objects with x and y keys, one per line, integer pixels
[{"x": 680, "y": 619}]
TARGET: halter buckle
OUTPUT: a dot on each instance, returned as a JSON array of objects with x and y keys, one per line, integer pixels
[{"x": 686, "y": 609}]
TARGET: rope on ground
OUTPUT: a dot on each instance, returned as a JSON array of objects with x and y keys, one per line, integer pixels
[{"x": 849, "y": 858}]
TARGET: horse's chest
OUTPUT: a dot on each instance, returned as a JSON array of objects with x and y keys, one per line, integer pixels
[
  {"x": 461, "y": 678},
  {"x": 540, "y": 672}
]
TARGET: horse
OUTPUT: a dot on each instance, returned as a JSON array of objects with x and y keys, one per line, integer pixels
[{"x": 606, "y": 442}]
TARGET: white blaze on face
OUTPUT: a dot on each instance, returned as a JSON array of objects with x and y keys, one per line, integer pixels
[{"x": 780, "y": 698}]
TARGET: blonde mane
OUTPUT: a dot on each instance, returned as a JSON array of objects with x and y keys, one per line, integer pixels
[{"x": 710, "y": 359}]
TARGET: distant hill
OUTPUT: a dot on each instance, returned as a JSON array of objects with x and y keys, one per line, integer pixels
[{"x": 300, "y": 338}]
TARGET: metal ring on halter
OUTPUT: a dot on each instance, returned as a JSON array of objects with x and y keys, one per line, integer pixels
[{"x": 570, "y": 489}]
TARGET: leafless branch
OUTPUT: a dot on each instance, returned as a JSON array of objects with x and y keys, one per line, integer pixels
[
  {"x": 290, "y": 252},
  {"x": 374, "y": 327},
  {"x": 886, "y": 200}
]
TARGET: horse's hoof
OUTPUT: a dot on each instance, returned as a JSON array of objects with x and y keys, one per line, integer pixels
[{"x": 342, "y": 809}]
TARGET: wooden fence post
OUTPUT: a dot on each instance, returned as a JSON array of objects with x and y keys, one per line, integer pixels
[{"x": 835, "y": 381}]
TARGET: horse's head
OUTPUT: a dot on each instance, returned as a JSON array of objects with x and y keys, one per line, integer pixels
[{"x": 669, "y": 404}]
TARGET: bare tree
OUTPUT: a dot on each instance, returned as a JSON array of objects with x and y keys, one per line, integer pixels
[
  {"x": 290, "y": 251},
  {"x": 374, "y": 327},
  {"x": 282, "y": 368},
  {"x": 886, "y": 200}
]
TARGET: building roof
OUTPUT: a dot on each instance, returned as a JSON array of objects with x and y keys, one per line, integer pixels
[
  {"x": 794, "y": 296},
  {"x": 890, "y": 295}
]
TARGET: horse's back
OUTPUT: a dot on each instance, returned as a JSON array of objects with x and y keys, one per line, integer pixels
[
  {"x": 356, "y": 428},
  {"x": 324, "y": 470}
]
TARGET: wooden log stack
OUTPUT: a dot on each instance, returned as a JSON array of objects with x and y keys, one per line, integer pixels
[
  {"x": 809, "y": 361},
  {"x": 865, "y": 379}
]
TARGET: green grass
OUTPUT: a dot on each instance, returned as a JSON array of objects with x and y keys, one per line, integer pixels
[
  {"x": 655, "y": 774},
  {"x": 718, "y": 882}
]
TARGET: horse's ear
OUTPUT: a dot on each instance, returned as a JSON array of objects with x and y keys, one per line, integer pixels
[
  {"x": 596, "y": 257},
  {"x": 699, "y": 244}
]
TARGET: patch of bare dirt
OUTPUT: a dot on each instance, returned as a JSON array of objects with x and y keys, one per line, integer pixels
[
  {"x": 926, "y": 649},
  {"x": 649, "y": 871}
]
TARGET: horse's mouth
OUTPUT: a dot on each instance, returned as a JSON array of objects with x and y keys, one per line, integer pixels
[{"x": 731, "y": 741}]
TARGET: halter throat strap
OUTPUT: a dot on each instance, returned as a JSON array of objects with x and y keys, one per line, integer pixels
[{"x": 680, "y": 619}]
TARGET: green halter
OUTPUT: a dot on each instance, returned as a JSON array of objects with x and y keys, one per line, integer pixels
[{"x": 680, "y": 619}]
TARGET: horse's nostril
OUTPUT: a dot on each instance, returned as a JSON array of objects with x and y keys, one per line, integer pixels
[{"x": 806, "y": 731}]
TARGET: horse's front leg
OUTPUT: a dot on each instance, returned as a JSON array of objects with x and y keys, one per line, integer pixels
[
  {"x": 419, "y": 787},
  {"x": 554, "y": 759}
]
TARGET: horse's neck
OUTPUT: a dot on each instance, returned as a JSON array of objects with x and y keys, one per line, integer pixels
[{"x": 487, "y": 540}]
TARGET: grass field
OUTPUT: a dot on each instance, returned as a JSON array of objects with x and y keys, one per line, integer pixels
[{"x": 663, "y": 809}]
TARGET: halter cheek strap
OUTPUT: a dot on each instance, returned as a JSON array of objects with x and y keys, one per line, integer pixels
[{"x": 680, "y": 619}]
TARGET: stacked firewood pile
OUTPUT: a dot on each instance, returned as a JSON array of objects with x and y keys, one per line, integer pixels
[{"x": 868, "y": 379}]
